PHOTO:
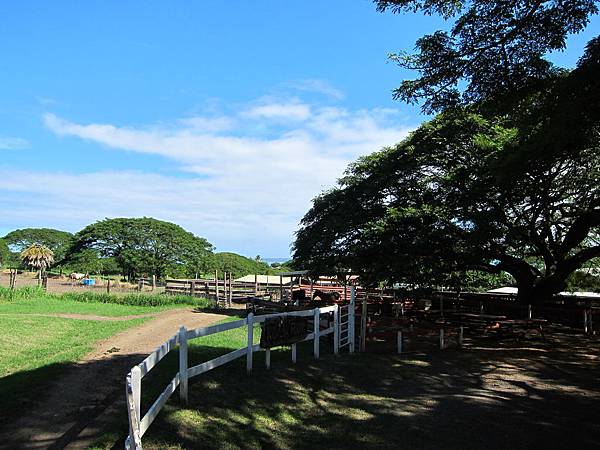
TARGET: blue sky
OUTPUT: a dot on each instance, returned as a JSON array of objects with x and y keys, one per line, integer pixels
[{"x": 224, "y": 117}]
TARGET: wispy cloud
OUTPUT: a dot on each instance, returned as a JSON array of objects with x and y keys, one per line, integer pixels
[
  {"x": 251, "y": 173},
  {"x": 13, "y": 143},
  {"x": 318, "y": 86}
]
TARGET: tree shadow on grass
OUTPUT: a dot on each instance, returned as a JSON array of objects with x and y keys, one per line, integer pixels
[
  {"x": 532, "y": 395},
  {"x": 491, "y": 395}
]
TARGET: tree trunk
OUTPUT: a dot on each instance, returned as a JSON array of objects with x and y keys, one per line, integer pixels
[{"x": 540, "y": 291}]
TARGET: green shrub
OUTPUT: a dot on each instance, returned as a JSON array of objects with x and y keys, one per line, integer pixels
[{"x": 35, "y": 293}]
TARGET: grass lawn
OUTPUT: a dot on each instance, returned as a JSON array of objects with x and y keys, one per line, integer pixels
[
  {"x": 57, "y": 305},
  {"x": 36, "y": 349}
]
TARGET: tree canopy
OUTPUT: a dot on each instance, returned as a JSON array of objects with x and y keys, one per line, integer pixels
[
  {"x": 492, "y": 49},
  {"x": 56, "y": 240},
  {"x": 504, "y": 179},
  {"x": 5, "y": 254},
  {"x": 144, "y": 246}
]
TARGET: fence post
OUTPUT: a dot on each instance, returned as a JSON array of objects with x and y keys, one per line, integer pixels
[
  {"x": 183, "y": 365},
  {"x": 460, "y": 336},
  {"x": 230, "y": 301},
  {"x": 585, "y": 321},
  {"x": 255, "y": 285},
  {"x": 108, "y": 286},
  {"x": 268, "y": 358},
  {"x": 441, "y": 339},
  {"x": 192, "y": 288},
  {"x": 529, "y": 312},
  {"x": 363, "y": 326},
  {"x": 316, "y": 330},
  {"x": 399, "y": 338},
  {"x": 136, "y": 388},
  {"x": 153, "y": 282},
  {"x": 250, "y": 343},
  {"x": 351, "y": 318},
  {"x": 336, "y": 329}
]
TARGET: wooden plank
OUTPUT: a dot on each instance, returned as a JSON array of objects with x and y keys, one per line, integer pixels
[
  {"x": 216, "y": 362},
  {"x": 158, "y": 404},
  {"x": 133, "y": 441},
  {"x": 153, "y": 358},
  {"x": 205, "y": 331}
]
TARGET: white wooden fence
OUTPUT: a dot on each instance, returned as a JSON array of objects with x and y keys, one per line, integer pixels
[{"x": 139, "y": 424}]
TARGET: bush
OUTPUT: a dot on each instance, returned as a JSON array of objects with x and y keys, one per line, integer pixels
[{"x": 35, "y": 293}]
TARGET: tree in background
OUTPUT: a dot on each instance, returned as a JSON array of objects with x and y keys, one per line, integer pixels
[
  {"x": 5, "y": 254},
  {"x": 239, "y": 265},
  {"x": 38, "y": 257},
  {"x": 56, "y": 240},
  {"x": 144, "y": 246}
]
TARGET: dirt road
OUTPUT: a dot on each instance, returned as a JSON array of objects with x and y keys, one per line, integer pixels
[{"x": 89, "y": 393}]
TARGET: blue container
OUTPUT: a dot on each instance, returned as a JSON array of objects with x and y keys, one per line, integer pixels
[{"x": 89, "y": 282}]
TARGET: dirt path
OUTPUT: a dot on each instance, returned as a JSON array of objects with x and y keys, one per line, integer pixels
[{"x": 90, "y": 390}]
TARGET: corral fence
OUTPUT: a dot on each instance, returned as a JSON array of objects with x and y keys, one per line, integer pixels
[
  {"x": 224, "y": 292},
  {"x": 571, "y": 310},
  {"x": 341, "y": 327}
]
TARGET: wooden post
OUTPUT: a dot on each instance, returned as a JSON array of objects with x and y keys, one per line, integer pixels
[
  {"x": 230, "y": 301},
  {"x": 529, "y": 312},
  {"x": 249, "y": 351},
  {"x": 268, "y": 358},
  {"x": 192, "y": 288},
  {"x": 153, "y": 282},
  {"x": 399, "y": 341},
  {"x": 441, "y": 339},
  {"x": 316, "y": 332},
  {"x": 363, "y": 326},
  {"x": 225, "y": 294},
  {"x": 280, "y": 288},
  {"x": 256, "y": 285},
  {"x": 345, "y": 288},
  {"x": 336, "y": 329},
  {"x": 108, "y": 286},
  {"x": 183, "y": 365},
  {"x": 136, "y": 385},
  {"x": 294, "y": 356},
  {"x": 461, "y": 336},
  {"x": 207, "y": 290},
  {"x": 217, "y": 287},
  {"x": 351, "y": 319},
  {"x": 585, "y": 321},
  {"x": 291, "y": 288},
  {"x": 311, "y": 289}
]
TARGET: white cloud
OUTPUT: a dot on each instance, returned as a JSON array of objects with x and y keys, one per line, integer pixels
[
  {"x": 13, "y": 143},
  {"x": 318, "y": 86},
  {"x": 285, "y": 111},
  {"x": 250, "y": 176}
]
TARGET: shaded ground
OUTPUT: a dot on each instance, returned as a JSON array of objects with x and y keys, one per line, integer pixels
[
  {"x": 491, "y": 395},
  {"x": 81, "y": 393}
]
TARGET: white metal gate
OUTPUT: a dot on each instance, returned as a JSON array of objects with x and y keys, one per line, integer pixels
[{"x": 346, "y": 323}]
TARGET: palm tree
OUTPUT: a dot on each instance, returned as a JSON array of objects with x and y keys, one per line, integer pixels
[{"x": 39, "y": 257}]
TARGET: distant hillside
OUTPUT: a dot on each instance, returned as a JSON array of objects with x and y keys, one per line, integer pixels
[{"x": 240, "y": 265}]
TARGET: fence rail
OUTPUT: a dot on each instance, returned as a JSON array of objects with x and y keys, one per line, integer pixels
[{"x": 138, "y": 424}]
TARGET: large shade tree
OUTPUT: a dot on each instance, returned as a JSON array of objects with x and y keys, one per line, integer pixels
[
  {"x": 143, "y": 246},
  {"x": 517, "y": 193}
]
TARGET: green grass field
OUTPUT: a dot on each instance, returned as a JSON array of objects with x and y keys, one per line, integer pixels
[{"x": 36, "y": 347}]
